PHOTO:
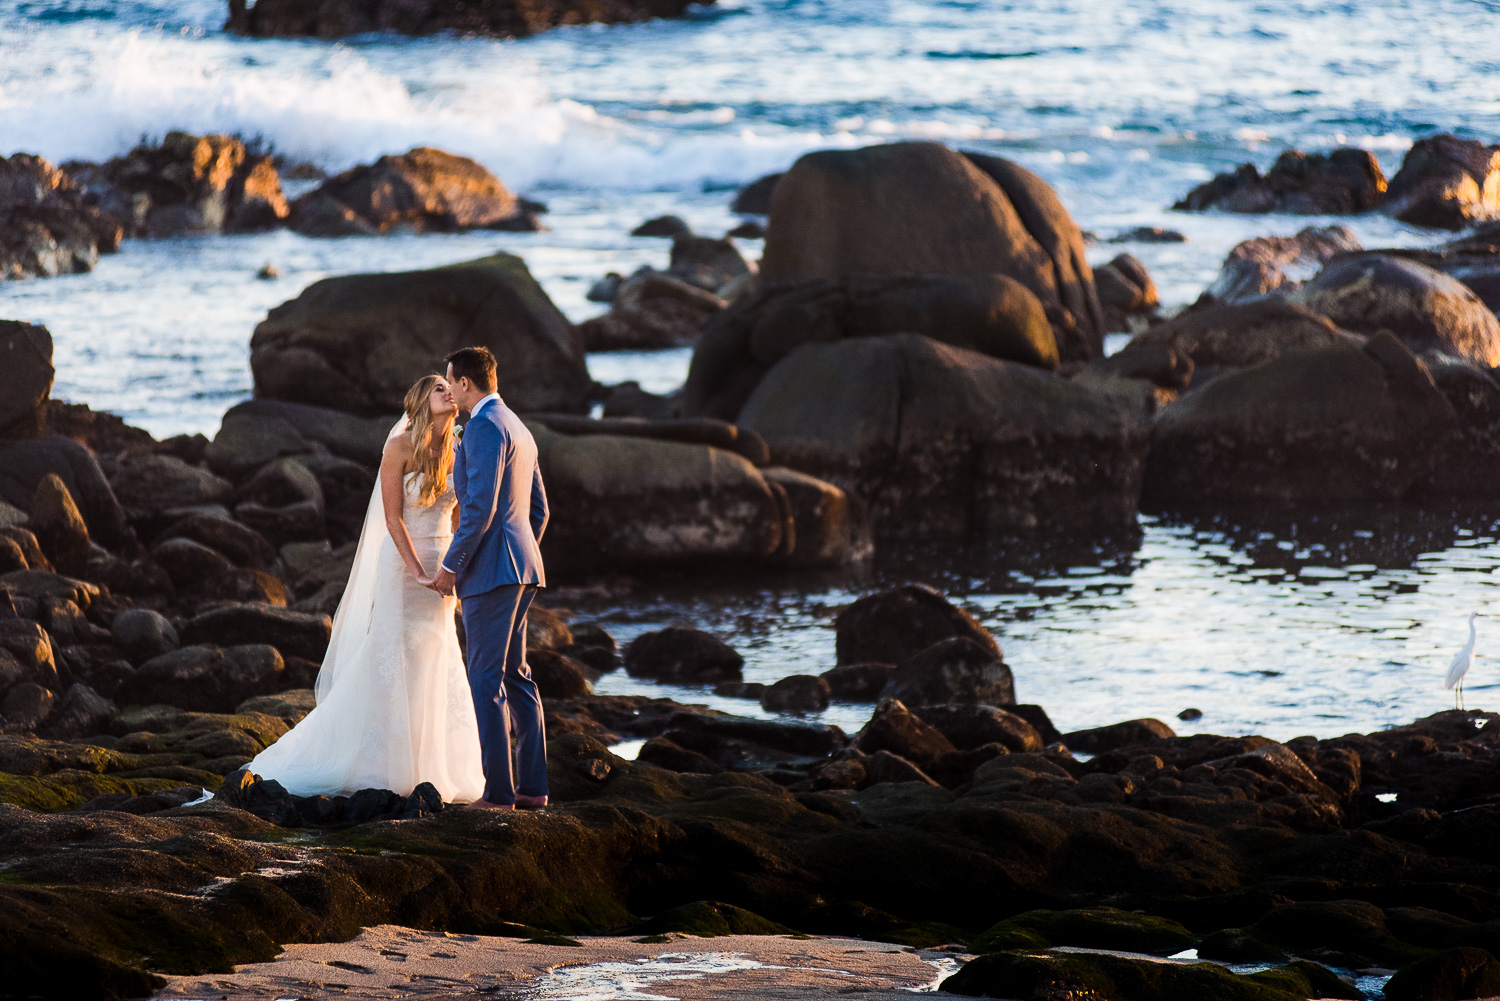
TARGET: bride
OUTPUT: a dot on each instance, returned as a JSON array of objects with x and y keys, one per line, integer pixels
[{"x": 394, "y": 707}]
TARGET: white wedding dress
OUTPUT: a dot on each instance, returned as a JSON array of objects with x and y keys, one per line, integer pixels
[{"x": 394, "y": 708}]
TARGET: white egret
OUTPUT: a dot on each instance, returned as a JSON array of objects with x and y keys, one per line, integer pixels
[{"x": 1461, "y": 665}]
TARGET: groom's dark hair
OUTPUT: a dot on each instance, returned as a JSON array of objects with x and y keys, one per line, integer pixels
[{"x": 475, "y": 364}]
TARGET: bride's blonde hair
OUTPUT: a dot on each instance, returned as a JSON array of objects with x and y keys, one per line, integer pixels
[{"x": 423, "y": 432}]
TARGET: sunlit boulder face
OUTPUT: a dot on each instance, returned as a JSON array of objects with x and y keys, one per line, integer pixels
[
  {"x": 45, "y": 227},
  {"x": 1346, "y": 422},
  {"x": 940, "y": 441},
  {"x": 1446, "y": 183},
  {"x": 357, "y": 342},
  {"x": 922, "y": 208}
]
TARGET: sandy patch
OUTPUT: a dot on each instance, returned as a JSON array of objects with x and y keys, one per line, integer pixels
[{"x": 387, "y": 961}]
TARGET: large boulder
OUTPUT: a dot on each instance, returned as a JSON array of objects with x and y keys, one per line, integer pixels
[
  {"x": 650, "y": 310},
  {"x": 1238, "y": 334},
  {"x": 1341, "y": 181},
  {"x": 256, "y": 432},
  {"x": 59, "y": 527},
  {"x": 957, "y": 671},
  {"x": 1426, "y": 309},
  {"x": 632, "y": 501},
  {"x": 45, "y": 227},
  {"x": 187, "y": 184},
  {"x": 682, "y": 656},
  {"x": 943, "y": 441},
  {"x": 1267, "y": 264},
  {"x": 973, "y": 726},
  {"x": 424, "y": 190},
  {"x": 988, "y": 313},
  {"x": 894, "y": 625},
  {"x": 295, "y": 634},
  {"x": 358, "y": 342},
  {"x": 1339, "y": 423},
  {"x": 147, "y": 483},
  {"x": 336, "y": 18},
  {"x": 204, "y": 678},
  {"x": 1446, "y": 183},
  {"x": 25, "y": 377},
  {"x": 922, "y": 208},
  {"x": 24, "y": 464}
]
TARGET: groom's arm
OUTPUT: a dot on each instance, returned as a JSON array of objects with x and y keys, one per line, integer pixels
[
  {"x": 481, "y": 458},
  {"x": 539, "y": 511}
]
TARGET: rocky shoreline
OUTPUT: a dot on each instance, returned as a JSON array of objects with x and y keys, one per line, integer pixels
[{"x": 164, "y": 605}]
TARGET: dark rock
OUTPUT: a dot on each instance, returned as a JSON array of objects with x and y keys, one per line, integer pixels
[
  {"x": 59, "y": 527},
  {"x": 828, "y": 528},
  {"x": 102, "y": 432},
  {"x": 1451, "y": 975},
  {"x": 24, "y": 463},
  {"x": 148, "y": 484},
  {"x": 736, "y": 741},
  {"x": 265, "y": 798},
  {"x": 897, "y": 624},
  {"x": 1333, "y": 424},
  {"x": 26, "y": 706},
  {"x": 191, "y": 564},
  {"x": 347, "y": 486},
  {"x": 682, "y": 656},
  {"x": 663, "y": 753},
  {"x": 242, "y": 545},
  {"x": 748, "y": 230},
  {"x": 422, "y": 190},
  {"x": 256, "y": 432},
  {"x": 628, "y": 399},
  {"x": 755, "y": 197},
  {"x": 663, "y": 225},
  {"x": 12, "y": 556},
  {"x": 558, "y": 676},
  {"x": 26, "y": 377},
  {"x": 187, "y": 184},
  {"x": 1148, "y": 234},
  {"x": 1446, "y": 183},
  {"x": 922, "y": 208},
  {"x": 858, "y": 682},
  {"x": 751, "y": 690},
  {"x": 591, "y": 634},
  {"x": 706, "y": 263},
  {"x": 40, "y": 584},
  {"x": 282, "y": 18},
  {"x": 103, "y": 676},
  {"x": 1425, "y": 309},
  {"x": 1125, "y": 290},
  {"x": 1190, "y": 715},
  {"x": 405, "y": 323},
  {"x": 46, "y": 229},
  {"x": 971, "y": 726},
  {"x": 1343, "y": 181},
  {"x": 204, "y": 678},
  {"x": 1113, "y": 736},
  {"x": 651, "y": 310},
  {"x": 31, "y": 654},
  {"x": 424, "y": 801},
  {"x": 373, "y": 804},
  {"x": 1089, "y": 928},
  {"x": 796, "y": 693},
  {"x": 606, "y": 288},
  {"x": 1160, "y": 364},
  {"x": 894, "y": 728},
  {"x": 708, "y": 919},
  {"x": 1263, "y": 265},
  {"x": 1234, "y": 335},
  {"x": 80, "y": 712},
  {"x": 29, "y": 550},
  {"x": 698, "y": 431},
  {"x": 293, "y": 633},
  {"x": 283, "y": 502},
  {"x": 883, "y": 766},
  {"x": 989, "y": 313},
  {"x": 545, "y": 630},
  {"x": 1123, "y": 978},
  {"x": 956, "y": 671},
  {"x": 915, "y": 430}
]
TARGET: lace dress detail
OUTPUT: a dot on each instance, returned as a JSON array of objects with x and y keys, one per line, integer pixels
[{"x": 400, "y": 712}]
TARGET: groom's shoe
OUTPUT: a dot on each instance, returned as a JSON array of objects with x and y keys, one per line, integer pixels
[
  {"x": 530, "y": 802},
  {"x": 484, "y": 804}
]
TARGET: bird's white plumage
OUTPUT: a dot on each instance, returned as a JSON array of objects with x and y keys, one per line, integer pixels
[{"x": 1464, "y": 660}]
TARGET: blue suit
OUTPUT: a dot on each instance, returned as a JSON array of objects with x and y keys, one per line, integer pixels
[{"x": 497, "y": 563}]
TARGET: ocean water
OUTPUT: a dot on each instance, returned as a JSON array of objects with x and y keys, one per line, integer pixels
[{"x": 1122, "y": 106}]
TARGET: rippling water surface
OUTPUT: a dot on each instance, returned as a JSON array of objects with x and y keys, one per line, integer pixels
[{"x": 1323, "y": 626}]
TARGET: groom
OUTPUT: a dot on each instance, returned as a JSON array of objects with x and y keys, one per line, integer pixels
[{"x": 495, "y": 567}]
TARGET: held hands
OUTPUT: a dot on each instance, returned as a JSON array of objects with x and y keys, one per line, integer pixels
[{"x": 444, "y": 582}]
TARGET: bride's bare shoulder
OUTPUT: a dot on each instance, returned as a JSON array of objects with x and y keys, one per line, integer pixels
[{"x": 398, "y": 446}]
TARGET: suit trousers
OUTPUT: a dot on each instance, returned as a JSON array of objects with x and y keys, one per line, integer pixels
[{"x": 505, "y": 696}]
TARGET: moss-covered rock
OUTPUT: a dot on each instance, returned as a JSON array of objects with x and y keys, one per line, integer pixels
[
  {"x": 1094, "y": 927},
  {"x": 1119, "y": 978},
  {"x": 1451, "y": 975},
  {"x": 708, "y": 919},
  {"x": 70, "y": 788}
]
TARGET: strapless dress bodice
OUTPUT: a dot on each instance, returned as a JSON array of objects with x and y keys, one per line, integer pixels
[{"x": 427, "y": 521}]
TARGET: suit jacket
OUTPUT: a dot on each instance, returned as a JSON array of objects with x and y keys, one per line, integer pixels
[{"x": 502, "y": 504}]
